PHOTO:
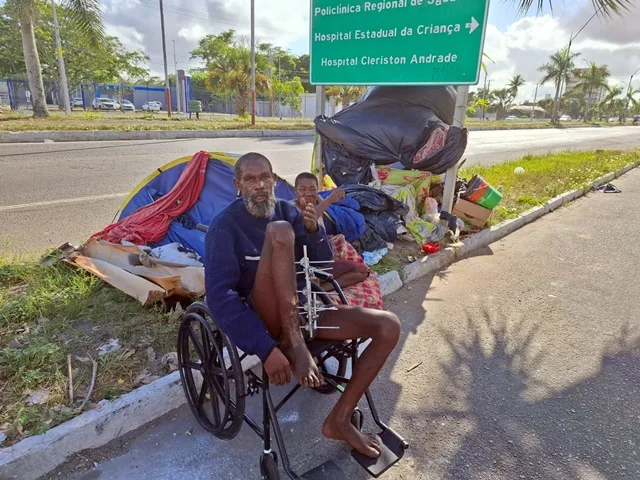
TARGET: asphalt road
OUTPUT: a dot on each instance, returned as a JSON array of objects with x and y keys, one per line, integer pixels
[
  {"x": 52, "y": 193},
  {"x": 521, "y": 362}
]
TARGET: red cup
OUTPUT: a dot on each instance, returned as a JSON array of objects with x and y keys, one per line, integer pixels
[{"x": 431, "y": 247}]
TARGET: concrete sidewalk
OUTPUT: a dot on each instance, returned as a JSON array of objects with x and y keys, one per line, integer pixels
[{"x": 526, "y": 359}]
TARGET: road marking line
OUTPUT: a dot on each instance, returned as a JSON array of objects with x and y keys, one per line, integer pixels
[{"x": 63, "y": 201}]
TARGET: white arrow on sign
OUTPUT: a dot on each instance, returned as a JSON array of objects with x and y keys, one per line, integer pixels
[{"x": 472, "y": 25}]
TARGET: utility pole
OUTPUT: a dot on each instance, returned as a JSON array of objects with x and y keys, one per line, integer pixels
[
  {"x": 178, "y": 92},
  {"x": 556, "y": 101},
  {"x": 63, "y": 72},
  {"x": 279, "y": 92},
  {"x": 253, "y": 63},
  {"x": 627, "y": 100},
  {"x": 535, "y": 98},
  {"x": 167, "y": 87}
]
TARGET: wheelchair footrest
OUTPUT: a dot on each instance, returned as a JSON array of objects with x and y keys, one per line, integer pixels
[
  {"x": 327, "y": 471},
  {"x": 393, "y": 447}
]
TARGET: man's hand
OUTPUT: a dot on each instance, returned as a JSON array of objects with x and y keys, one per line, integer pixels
[
  {"x": 309, "y": 216},
  {"x": 277, "y": 367},
  {"x": 337, "y": 195}
]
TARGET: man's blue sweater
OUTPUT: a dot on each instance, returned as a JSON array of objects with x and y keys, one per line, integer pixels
[{"x": 232, "y": 252}]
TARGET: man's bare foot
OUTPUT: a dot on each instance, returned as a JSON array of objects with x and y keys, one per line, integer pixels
[
  {"x": 363, "y": 443},
  {"x": 304, "y": 368}
]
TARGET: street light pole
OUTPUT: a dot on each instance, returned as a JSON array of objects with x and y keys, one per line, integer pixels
[
  {"x": 564, "y": 67},
  {"x": 167, "y": 87},
  {"x": 279, "y": 91},
  {"x": 62, "y": 70},
  {"x": 253, "y": 63},
  {"x": 178, "y": 92},
  {"x": 535, "y": 97},
  {"x": 626, "y": 108}
]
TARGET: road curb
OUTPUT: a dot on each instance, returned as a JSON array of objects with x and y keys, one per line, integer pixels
[
  {"x": 38, "y": 455},
  {"x": 110, "y": 135}
]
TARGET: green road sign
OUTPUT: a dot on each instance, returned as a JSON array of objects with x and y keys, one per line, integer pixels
[{"x": 397, "y": 42}]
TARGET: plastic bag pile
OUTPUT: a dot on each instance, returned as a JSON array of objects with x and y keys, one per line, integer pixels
[{"x": 411, "y": 126}]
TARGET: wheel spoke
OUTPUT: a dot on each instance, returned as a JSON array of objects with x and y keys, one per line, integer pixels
[
  {"x": 203, "y": 393},
  {"x": 215, "y": 407},
  {"x": 192, "y": 365},
  {"x": 197, "y": 345}
]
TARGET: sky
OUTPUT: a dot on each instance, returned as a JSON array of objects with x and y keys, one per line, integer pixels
[{"x": 517, "y": 43}]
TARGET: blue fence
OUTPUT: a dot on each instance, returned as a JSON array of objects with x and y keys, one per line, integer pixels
[{"x": 16, "y": 93}]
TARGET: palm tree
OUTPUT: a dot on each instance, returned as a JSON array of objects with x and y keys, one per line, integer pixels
[
  {"x": 558, "y": 69},
  {"x": 592, "y": 80},
  {"x": 87, "y": 16},
  {"x": 231, "y": 72},
  {"x": 516, "y": 82},
  {"x": 631, "y": 99},
  {"x": 502, "y": 100},
  {"x": 345, "y": 94},
  {"x": 608, "y": 7},
  {"x": 613, "y": 104}
]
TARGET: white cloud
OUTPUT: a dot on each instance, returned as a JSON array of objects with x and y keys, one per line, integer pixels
[
  {"x": 128, "y": 36},
  {"x": 193, "y": 33}
]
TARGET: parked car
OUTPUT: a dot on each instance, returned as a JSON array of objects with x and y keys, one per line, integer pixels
[
  {"x": 77, "y": 102},
  {"x": 613, "y": 120},
  {"x": 128, "y": 106},
  {"x": 152, "y": 107},
  {"x": 104, "y": 104},
  {"x": 511, "y": 118},
  {"x": 636, "y": 119},
  {"x": 565, "y": 118}
]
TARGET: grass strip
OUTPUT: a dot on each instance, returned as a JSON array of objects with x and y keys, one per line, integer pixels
[
  {"x": 546, "y": 177},
  {"x": 117, "y": 121}
]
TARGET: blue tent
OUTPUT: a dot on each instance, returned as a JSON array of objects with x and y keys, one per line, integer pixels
[{"x": 218, "y": 192}]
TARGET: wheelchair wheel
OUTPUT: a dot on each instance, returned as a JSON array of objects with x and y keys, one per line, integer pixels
[
  {"x": 328, "y": 389},
  {"x": 269, "y": 466},
  {"x": 218, "y": 401}
]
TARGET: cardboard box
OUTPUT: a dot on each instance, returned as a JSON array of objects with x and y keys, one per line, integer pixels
[{"x": 474, "y": 214}]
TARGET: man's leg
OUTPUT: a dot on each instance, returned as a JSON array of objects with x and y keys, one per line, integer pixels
[
  {"x": 276, "y": 301},
  {"x": 384, "y": 330}
]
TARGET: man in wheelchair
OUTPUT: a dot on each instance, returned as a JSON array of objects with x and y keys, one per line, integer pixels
[{"x": 251, "y": 291}]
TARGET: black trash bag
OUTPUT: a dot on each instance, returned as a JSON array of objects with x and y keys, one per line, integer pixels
[
  {"x": 442, "y": 100},
  {"x": 372, "y": 200},
  {"x": 369, "y": 241},
  {"x": 446, "y": 157},
  {"x": 342, "y": 168},
  {"x": 384, "y": 224},
  {"x": 382, "y": 135},
  {"x": 389, "y": 125}
]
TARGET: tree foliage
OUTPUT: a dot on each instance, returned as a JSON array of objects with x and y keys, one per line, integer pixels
[{"x": 345, "y": 94}]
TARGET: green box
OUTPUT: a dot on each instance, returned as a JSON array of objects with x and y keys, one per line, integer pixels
[{"x": 397, "y": 42}]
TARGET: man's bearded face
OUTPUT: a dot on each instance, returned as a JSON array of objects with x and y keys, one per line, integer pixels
[{"x": 257, "y": 187}]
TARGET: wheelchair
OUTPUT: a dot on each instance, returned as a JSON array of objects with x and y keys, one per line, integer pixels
[{"x": 216, "y": 387}]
